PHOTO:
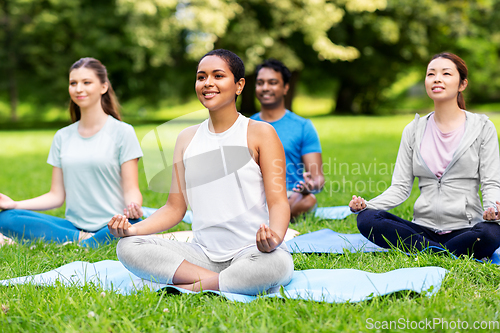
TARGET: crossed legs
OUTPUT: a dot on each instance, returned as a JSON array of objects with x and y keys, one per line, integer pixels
[
  {"x": 386, "y": 230},
  {"x": 300, "y": 203},
  {"x": 185, "y": 265}
]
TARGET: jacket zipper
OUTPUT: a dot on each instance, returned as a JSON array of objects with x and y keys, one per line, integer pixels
[
  {"x": 438, "y": 203},
  {"x": 438, "y": 199}
]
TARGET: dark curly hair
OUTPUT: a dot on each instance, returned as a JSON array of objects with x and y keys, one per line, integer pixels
[
  {"x": 278, "y": 66},
  {"x": 234, "y": 62}
]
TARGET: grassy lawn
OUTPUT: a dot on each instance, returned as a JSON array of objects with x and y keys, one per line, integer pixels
[{"x": 358, "y": 152}]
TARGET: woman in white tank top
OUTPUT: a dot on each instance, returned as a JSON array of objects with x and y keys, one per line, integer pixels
[{"x": 231, "y": 171}]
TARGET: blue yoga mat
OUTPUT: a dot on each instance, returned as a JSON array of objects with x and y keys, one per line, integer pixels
[
  {"x": 333, "y": 213},
  {"x": 327, "y": 213},
  {"x": 329, "y": 241},
  {"x": 321, "y": 285},
  {"x": 495, "y": 258}
]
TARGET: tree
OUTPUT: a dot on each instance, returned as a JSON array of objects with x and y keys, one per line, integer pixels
[
  {"x": 42, "y": 38},
  {"x": 151, "y": 47},
  {"x": 274, "y": 29},
  {"x": 254, "y": 29},
  {"x": 400, "y": 37},
  {"x": 10, "y": 21}
]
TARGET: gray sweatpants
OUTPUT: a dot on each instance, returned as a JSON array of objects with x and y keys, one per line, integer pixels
[{"x": 250, "y": 272}]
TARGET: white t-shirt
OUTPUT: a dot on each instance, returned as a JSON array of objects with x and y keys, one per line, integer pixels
[{"x": 92, "y": 171}]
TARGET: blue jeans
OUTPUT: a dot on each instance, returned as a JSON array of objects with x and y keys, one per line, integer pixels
[
  {"x": 386, "y": 230},
  {"x": 25, "y": 224}
]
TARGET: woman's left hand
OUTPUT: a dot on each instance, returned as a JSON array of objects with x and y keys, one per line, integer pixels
[
  {"x": 490, "y": 214},
  {"x": 267, "y": 239},
  {"x": 133, "y": 211}
]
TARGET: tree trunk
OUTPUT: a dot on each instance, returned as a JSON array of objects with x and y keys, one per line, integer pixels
[
  {"x": 11, "y": 61},
  {"x": 13, "y": 91},
  {"x": 291, "y": 90},
  {"x": 247, "y": 106},
  {"x": 345, "y": 99}
]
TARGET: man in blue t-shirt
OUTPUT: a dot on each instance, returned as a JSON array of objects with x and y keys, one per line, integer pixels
[{"x": 304, "y": 172}]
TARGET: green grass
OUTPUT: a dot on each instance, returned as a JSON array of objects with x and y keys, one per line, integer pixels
[
  {"x": 355, "y": 150},
  {"x": 138, "y": 111}
]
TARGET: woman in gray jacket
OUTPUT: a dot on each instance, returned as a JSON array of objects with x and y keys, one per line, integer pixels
[{"x": 452, "y": 152}]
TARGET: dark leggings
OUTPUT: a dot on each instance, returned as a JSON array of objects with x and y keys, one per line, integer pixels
[{"x": 387, "y": 230}]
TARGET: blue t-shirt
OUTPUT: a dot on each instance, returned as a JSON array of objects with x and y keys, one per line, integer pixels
[{"x": 299, "y": 137}]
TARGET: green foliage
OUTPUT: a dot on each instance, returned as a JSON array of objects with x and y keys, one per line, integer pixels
[
  {"x": 151, "y": 46},
  {"x": 393, "y": 42},
  {"x": 353, "y": 50},
  {"x": 470, "y": 291}
]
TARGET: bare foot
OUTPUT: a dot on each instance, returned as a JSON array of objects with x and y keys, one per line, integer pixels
[
  {"x": 189, "y": 287},
  {"x": 196, "y": 287},
  {"x": 85, "y": 235},
  {"x": 180, "y": 236},
  {"x": 5, "y": 240}
]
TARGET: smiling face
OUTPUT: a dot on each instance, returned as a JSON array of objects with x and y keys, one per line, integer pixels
[
  {"x": 270, "y": 88},
  {"x": 442, "y": 81},
  {"x": 85, "y": 88},
  {"x": 215, "y": 86}
]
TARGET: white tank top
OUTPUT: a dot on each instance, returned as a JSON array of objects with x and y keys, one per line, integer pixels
[{"x": 225, "y": 190}]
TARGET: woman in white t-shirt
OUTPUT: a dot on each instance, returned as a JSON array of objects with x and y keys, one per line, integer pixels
[
  {"x": 231, "y": 171},
  {"x": 94, "y": 169}
]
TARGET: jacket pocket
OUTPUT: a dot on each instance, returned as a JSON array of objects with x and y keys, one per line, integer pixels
[
  {"x": 455, "y": 211},
  {"x": 422, "y": 210},
  {"x": 474, "y": 209}
]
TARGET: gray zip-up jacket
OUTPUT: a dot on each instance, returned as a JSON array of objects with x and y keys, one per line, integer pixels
[{"x": 451, "y": 202}]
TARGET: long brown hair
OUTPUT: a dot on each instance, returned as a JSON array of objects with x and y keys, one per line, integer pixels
[
  {"x": 462, "y": 70},
  {"x": 109, "y": 102}
]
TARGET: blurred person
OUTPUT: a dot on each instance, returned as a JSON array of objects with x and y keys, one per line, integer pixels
[
  {"x": 94, "y": 169},
  {"x": 240, "y": 214},
  {"x": 304, "y": 171},
  {"x": 452, "y": 152}
]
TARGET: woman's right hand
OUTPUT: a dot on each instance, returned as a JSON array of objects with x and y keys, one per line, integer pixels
[
  {"x": 6, "y": 202},
  {"x": 266, "y": 239},
  {"x": 357, "y": 204},
  {"x": 119, "y": 226}
]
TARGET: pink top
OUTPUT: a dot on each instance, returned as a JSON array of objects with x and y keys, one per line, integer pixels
[{"x": 437, "y": 148}]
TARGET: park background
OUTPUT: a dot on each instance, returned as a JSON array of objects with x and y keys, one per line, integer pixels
[
  {"x": 358, "y": 70},
  {"x": 347, "y": 56}
]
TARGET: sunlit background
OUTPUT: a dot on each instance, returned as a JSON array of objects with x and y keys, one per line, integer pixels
[{"x": 347, "y": 56}]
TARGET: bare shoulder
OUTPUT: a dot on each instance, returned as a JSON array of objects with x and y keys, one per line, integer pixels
[
  {"x": 260, "y": 129},
  {"x": 186, "y": 135}
]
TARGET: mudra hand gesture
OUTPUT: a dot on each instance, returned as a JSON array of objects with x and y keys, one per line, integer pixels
[
  {"x": 119, "y": 226},
  {"x": 357, "y": 204},
  {"x": 267, "y": 239},
  {"x": 491, "y": 215}
]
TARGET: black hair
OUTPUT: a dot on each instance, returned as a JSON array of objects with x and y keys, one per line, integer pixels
[
  {"x": 232, "y": 60},
  {"x": 462, "y": 70},
  {"x": 278, "y": 66}
]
